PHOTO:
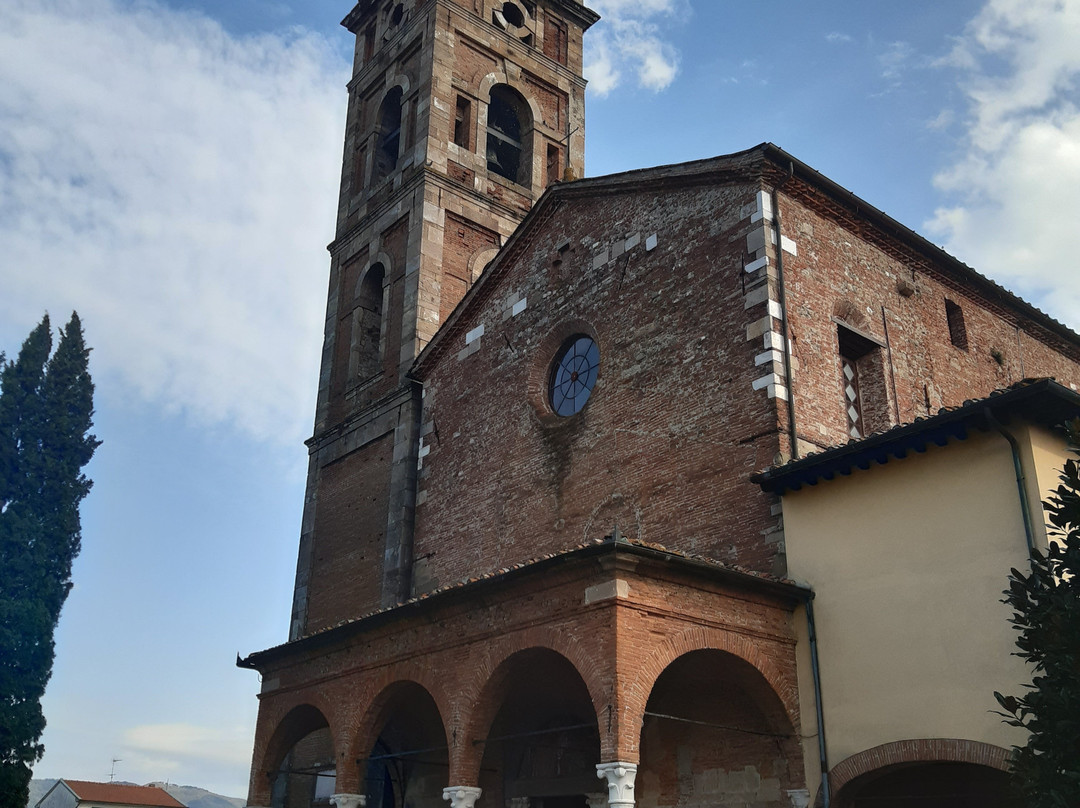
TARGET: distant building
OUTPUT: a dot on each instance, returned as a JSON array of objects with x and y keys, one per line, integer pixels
[
  {"x": 84, "y": 794},
  {"x": 565, "y": 528}
]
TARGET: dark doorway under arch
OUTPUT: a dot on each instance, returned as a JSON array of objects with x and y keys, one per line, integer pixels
[
  {"x": 407, "y": 766},
  {"x": 305, "y": 773},
  {"x": 930, "y": 785},
  {"x": 543, "y": 745},
  {"x": 716, "y": 733}
]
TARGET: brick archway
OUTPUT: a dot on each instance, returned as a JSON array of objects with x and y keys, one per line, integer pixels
[
  {"x": 699, "y": 638},
  {"x": 915, "y": 750},
  {"x": 364, "y": 732},
  {"x": 478, "y": 703},
  {"x": 277, "y": 730}
]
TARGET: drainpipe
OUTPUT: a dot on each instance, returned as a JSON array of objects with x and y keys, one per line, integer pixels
[
  {"x": 1021, "y": 487},
  {"x": 823, "y": 756},
  {"x": 783, "y": 311}
]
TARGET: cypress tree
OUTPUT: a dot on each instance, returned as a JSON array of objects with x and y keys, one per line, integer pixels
[
  {"x": 1046, "y": 615},
  {"x": 46, "y": 407}
]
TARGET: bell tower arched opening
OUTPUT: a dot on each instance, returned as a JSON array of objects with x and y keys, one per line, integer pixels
[
  {"x": 387, "y": 136},
  {"x": 509, "y": 135}
]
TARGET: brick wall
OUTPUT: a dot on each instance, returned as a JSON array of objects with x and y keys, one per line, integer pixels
[
  {"x": 346, "y": 573},
  {"x": 462, "y": 240},
  {"x": 839, "y": 275},
  {"x": 601, "y": 623},
  {"x": 664, "y": 447}
]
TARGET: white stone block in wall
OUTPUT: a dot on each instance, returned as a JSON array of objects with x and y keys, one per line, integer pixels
[
  {"x": 765, "y": 381},
  {"x": 759, "y": 327},
  {"x": 755, "y": 240},
  {"x": 651, "y": 242},
  {"x": 768, "y": 356},
  {"x": 773, "y": 341},
  {"x": 764, "y": 208},
  {"x": 755, "y": 297},
  {"x": 777, "y": 391},
  {"x": 519, "y": 307},
  {"x": 759, "y": 263},
  {"x": 475, "y": 334}
]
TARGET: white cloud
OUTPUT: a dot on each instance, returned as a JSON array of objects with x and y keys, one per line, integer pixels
[
  {"x": 628, "y": 39},
  {"x": 182, "y": 752},
  {"x": 176, "y": 186},
  {"x": 895, "y": 60},
  {"x": 837, "y": 36},
  {"x": 190, "y": 742},
  {"x": 1017, "y": 185}
]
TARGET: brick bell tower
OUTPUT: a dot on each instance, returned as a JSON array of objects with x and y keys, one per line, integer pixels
[{"x": 461, "y": 113}]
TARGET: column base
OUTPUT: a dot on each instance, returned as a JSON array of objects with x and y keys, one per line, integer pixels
[{"x": 348, "y": 800}]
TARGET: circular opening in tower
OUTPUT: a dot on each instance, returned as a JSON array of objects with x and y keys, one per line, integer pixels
[
  {"x": 573, "y": 375},
  {"x": 513, "y": 14}
]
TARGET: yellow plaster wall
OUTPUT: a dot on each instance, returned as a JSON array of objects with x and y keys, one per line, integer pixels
[
  {"x": 1043, "y": 452},
  {"x": 908, "y": 561}
]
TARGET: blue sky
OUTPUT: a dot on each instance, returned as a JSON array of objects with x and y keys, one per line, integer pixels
[{"x": 169, "y": 169}]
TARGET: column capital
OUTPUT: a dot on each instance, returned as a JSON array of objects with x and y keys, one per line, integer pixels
[
  {"x": 620, "y": 782},
  {"x": 461, "y": 796},
  {"x": 348, "y": 800},
  {"x": 800, "y": 797},
  {"x": 596, "y": 800}
]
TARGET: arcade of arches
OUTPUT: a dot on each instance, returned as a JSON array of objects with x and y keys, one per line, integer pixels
[
  {"x": 671, "y": 696},
  {"x": 676, "y": 695},
  {"x": 709, "y": 720}
]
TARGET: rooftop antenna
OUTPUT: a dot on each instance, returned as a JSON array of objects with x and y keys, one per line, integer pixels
[{"x": 112, "y": 771}]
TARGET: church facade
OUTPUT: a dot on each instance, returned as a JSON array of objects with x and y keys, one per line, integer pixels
[{"x": 544, "y": 559}]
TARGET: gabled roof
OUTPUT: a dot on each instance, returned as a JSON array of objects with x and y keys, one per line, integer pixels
[
  {"x": 770, "y": 164},
  {"x": 714, "y": 569},
  {"x": 1040, "y": 400},
  {"x": 121, "y": 794}
]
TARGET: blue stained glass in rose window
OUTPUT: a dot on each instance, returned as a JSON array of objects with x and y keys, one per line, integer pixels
[{"x": 574, "y": 375}]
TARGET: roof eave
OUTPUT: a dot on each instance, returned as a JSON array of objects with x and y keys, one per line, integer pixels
[
  {"x": 1042, "y": 400},
  {"x": 781, "y": 589}
]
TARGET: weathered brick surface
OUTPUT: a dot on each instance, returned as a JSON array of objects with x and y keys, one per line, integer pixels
[
  {"x": 451, "y": 473},
  {"x": 462, "y": 240},
  {"x": 665, "y": 445},
  {"x": 461, "y": 648},
  {"x": 839, "y": 275},
  {"x": 412, "y": 222},
  {"x": 351, "y": 522}
]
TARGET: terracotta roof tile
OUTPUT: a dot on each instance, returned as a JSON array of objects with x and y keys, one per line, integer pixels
[{"x": 120, "y": 794}]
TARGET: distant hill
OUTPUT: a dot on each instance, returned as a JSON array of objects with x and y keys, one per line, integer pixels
[
  {"x": 191, "y": 796},
  {"x": 38, "y": 789},
  {"x": 195, "y": 797}
]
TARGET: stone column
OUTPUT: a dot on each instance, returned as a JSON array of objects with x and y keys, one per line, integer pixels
[
  {"x": 620, "y": 783},
  {"x": 461, "y": 796},
  {"x": 348, "y": 800}
]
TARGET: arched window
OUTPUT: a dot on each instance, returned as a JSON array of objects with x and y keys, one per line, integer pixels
[
  {"x": 509, "y": 132},
  {"x": 366, "y": 348},
  {"x": 387, "y": 135}
]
